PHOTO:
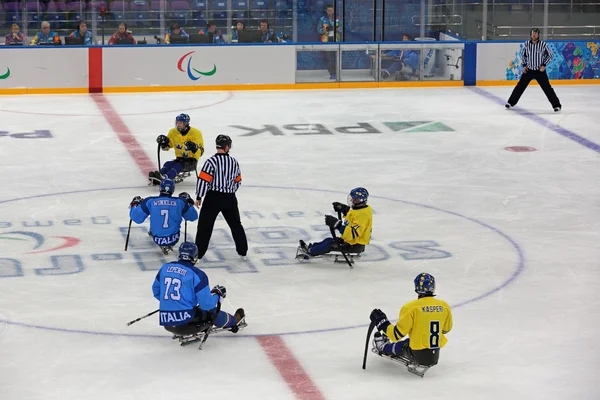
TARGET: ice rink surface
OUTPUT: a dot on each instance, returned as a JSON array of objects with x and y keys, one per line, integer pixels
[{"x": 512, "y": 239}]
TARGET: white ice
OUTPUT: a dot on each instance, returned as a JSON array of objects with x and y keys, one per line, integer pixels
[{"x": 459, "y": 192}]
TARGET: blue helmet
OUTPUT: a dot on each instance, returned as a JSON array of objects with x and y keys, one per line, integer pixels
[
  {"x": 183, "y": 118},
  {"x": 358, "y": 196},
  {"x": 189, "y": 252},
  {"x": 167, "y": 186},
  {"x": 425, "y": 284}
]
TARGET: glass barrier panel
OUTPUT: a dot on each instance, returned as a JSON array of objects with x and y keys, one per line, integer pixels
[
  {"x": 358, "y": 63},
  {"x": 317, "y": 63},
  {"x": 418, "y": 62}
]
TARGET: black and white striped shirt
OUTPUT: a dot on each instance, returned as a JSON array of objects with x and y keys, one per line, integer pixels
[
  {"x": 534, "y": 55},
  {"x": 220, "y": 173}
]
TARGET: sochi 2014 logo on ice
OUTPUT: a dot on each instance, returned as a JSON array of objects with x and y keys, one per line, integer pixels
[
  {"x": 192, "y": 72},
  {"x": 36, "y": 242},
  {"x": 5, "y": 75}
]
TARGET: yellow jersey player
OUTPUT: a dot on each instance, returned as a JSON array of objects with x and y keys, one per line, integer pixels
[
  {"x": 189, "y": 147},
  {"x": 425, "y": 321},
  {"x": 355, "y": 231}
]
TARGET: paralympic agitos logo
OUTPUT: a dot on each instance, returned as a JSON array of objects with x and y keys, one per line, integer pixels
[
  {"x": 193, "y": 73},
  {"x": 6, "y": 75}
]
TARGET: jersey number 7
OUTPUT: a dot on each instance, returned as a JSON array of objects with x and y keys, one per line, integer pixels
[{"x": 165, "y": 214}]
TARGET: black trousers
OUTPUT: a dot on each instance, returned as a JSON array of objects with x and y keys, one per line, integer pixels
[
  {"x": 331, "y": 57},
  {"x": 201, "y": 320},
  {"x": 213, "y": 204},
  {"x": 542, "y": 79}
]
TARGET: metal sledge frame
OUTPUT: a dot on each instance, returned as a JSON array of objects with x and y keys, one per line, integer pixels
[
  {"x": 185, "y": 173},
  {"x": 202, "y": 336},
  {"x": 338, "y": 255},
  {"x": 410, "y": 365}
]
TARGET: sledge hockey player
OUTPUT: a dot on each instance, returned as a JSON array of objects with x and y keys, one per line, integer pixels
[
  {"x": 188, "y": 306},
  {"x": 355, "y": 231},
  {"x": 166, "y": 213},
  {"x": 425, "y": 321},
  {"x": 189, "y": 147}
]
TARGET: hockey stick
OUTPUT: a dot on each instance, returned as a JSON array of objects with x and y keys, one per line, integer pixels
[
  {"x": 158, "y": 155},
  {"x": 128, "y": 232},
  {"x": 185, "y": 232},
  {"x": 371, "y": 327},
  {"x": 335, "y": 238},
  {"x": 140, "y": 318}
]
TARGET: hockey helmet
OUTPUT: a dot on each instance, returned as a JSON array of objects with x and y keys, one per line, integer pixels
[
  {"x": 222, "y": 141},
  {"x": 189, "y": 252},
  {"x": 536, "y": 30},
  {"x": 358, "y": 196},
  {"x": 425, "y": 284},
  {"x": 167, "y": 186},
  {"x": 182, "y": 118}
]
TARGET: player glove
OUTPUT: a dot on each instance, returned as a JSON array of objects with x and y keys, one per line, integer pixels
[
  {"x": 332, "y": 221},
  {"x": 339, "y": 207},
  {"x": 186, "y": 196},
  {"x": 191, "y": 146},
  {"x": 380, "y": 320},
  {"x": 220, "y": 290},
  {"x": 136, "y": 201},
  {"x": 163, "y": 141}
]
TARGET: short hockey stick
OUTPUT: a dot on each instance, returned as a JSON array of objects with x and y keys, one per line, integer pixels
[
  {"x": 158, "y": 155},
  {"x": 371, "y": 327},
  {"x": 128, "y": 232},
  {"x": 141, "y": 318}
]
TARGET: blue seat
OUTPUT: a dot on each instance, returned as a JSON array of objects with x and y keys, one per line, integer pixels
[{"x": 219, "y": 9}]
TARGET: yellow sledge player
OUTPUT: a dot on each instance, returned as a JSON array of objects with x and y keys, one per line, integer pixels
[
  {"x": 189, "y": 147},
  {"x": 419, "y": 334},
  {"x": 355, "y": 231}
]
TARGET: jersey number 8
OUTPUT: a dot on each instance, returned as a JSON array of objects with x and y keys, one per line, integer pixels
[
  {"x": 434, "y": 334},
  {"x": 175, "y": 284}
]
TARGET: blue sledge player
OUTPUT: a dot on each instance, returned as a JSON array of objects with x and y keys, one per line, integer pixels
[
  {"x": 166, "y": 213},
  {"x": 188, "y": 307}
]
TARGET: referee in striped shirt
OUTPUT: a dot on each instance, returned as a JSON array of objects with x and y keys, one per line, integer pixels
[
  {"x": 535, "y": 55},
  {"x": 218, "y": 181}
]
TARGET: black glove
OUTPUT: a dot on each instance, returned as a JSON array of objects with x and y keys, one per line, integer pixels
[
  {"x": 136, "y": 201},
  {"x": 191, "y": 146},
  {"x": 329, "y": 28},
  {"x": 186, "y": 196},
  {"x": 332, "y": 221},
  {"x": 339, "y": 207},
  {"x": 380, "y": 320},
  {"x": 220, "y": 290},
  {"x": 163, "y": 141}
]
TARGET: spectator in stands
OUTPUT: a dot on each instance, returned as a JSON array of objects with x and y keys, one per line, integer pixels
[
  {"x": 82, "y": 32},
  {"x": 45, "y": 36},
  {"x": 175, "y": 31},
  {"x": 121, "y": 33},
  {"x": 15, "y": 36},
  {"x": 268, "y": 35},
  {"x": 240, "y": 26},
  {"x": 405, "y": 62},
  {"x": 214, "y": 35},
  {"x": 326, "y": 29}
]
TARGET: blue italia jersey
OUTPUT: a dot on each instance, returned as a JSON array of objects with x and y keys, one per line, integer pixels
[
  {"x": 179, "y": 286},
  {"x": 166, "y": 213}
]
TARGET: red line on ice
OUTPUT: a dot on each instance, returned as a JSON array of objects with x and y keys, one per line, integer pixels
[
  {"x": 280, "y": 355},
  {"x": 124, "y": 134},
  {"x": 289, "y": 367}
]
